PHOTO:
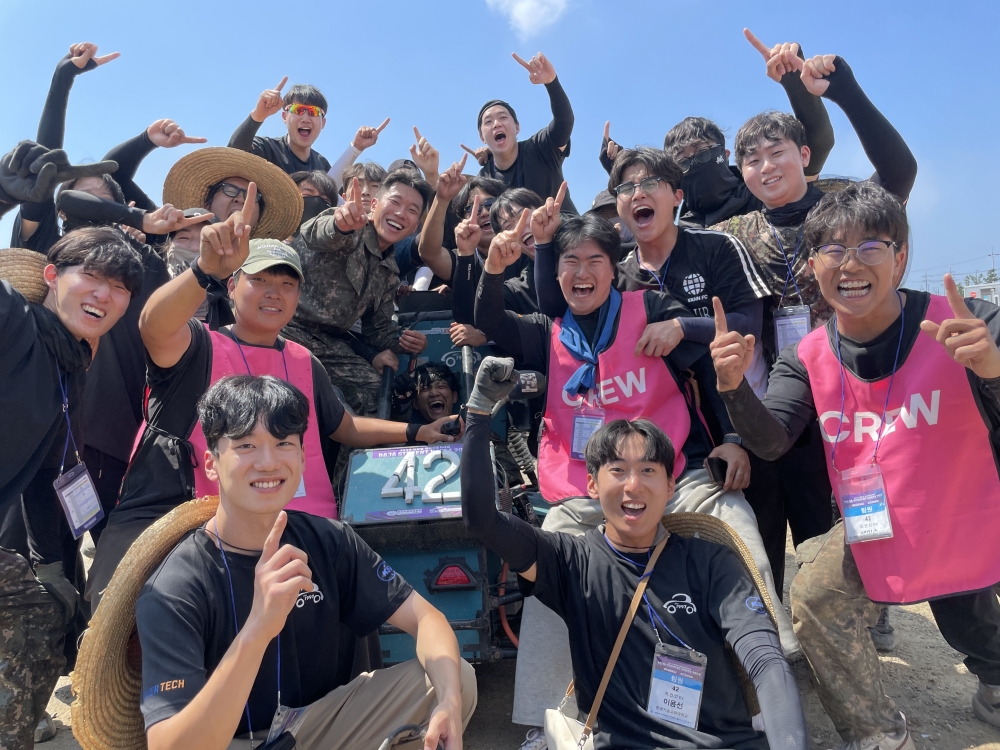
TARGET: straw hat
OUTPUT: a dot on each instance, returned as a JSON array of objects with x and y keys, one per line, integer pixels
[
  {"x": 107, "y": 680},
  {"x": 23, "y": 269},
  {"x": 190, "y": 178},
  {"x": 711, "y": 529}
]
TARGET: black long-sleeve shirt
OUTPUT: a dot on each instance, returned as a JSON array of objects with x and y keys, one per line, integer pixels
[
  {"x": 275, "y": 150},
  {"x": 518, "y": 287},
  {"x": 129, "y": 156}
]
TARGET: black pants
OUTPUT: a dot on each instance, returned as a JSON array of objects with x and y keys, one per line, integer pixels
[
  {"x": 107, "y": 473},
  {"x": 971, "y": 624}
]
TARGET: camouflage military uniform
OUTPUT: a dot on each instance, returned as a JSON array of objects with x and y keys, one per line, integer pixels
[
  {"x": 347, "y": 279},
  {"x": 31, "y": 651}
]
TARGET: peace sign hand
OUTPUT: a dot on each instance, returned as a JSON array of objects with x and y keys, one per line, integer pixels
[
  {"x": 545, "y": 219},
  {"x": 731, "y": 352},
  {"x": 468, "y": 233},
  {"x": 269, "y": 102},
  {"x": 539, "y": 68},
  {"x": 351, "y": 216},
  {"x": 451, "y": 181},
  {"x": 965, "y": 337},
  {"x": 781, "y": 58},
  {"x": 84, "y": 56},
  {"x": 225, "y": 246},
  {"x": 815, "y": 71},
  {"x": 424, "y": 155},
  {"x": 366, "y": 137},
  {"x": 167, "y": 134},
  {"x": 506, "y": 247}
]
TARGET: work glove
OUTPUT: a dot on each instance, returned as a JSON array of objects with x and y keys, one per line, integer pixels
[
  {"x": 30, "y": 172},
  {"x": 52, "y": 578},
  {"x": 495, "y": 379}
]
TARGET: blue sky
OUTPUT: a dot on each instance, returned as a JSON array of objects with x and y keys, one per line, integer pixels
[{"x": 929, "y": 67}]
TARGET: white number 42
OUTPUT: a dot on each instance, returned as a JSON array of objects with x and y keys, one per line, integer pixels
[{"x": 406, "y": 472}]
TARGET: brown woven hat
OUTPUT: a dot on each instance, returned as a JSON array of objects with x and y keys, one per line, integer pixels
[
  {"x": 107, "y": 681},
  {"x": 190, "y": 178},
  {"x": 23, "y": 269}
]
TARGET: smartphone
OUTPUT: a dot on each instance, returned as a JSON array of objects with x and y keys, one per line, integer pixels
[
  {"x": 452, "y": 427},
  {"x": 716, "y": 468}
]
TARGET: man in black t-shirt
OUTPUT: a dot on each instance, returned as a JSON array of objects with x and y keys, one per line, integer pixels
[
  {"x": 699, "y": 595},
  {"x": 244, "y": 614}
]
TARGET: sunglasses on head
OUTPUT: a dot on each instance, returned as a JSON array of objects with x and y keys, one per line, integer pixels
[{"x": 305, "y": 109}]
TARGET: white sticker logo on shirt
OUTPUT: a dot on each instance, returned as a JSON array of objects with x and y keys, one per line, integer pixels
[
  {"x": 680, "y": 603},
  {"x": 693, "y": 284},
  {"x": 315, "y": 596}
]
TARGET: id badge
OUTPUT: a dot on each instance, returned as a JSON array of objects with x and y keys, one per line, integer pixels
[
  {"x": 285, "y": 720},
  {"x": 862, "y": 495},
  {"x": 791, "y": 325},
  {"x": 79, "y": 499},
  {"x": 677, "y": 685},
  {"x": 301, "y": 491},
  {"x": 586, "y": 421}
]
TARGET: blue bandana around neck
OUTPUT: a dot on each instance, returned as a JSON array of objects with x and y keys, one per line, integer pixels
[{"x": 572, "y": 337}]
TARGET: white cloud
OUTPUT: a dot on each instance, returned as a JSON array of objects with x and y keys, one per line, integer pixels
[{"x": 528, "y": 17}]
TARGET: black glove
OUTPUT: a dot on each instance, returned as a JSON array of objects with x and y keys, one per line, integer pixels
[
  {"x": 30, "y": 173},
  {"x": 51, "y": 577},
  {"x": 495, "y": 379}
]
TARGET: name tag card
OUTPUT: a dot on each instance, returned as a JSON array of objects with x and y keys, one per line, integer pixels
[
  {"x": 79, "y": 499},
  {"x": 791, "y": 325},
  {"x": 677, "y": 685},
  {"x": 866, "y": 513},
  {"x": 586, "y": 421}
]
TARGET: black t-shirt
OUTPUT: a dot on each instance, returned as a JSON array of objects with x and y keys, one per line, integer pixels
[
  {"x": 702, "y": 265},
  {"x": 155, "y": 482},
  {"x": 275, "y": 150},
  {"x": 715, "y": 603},
  {"x": 184, "y": 615}
]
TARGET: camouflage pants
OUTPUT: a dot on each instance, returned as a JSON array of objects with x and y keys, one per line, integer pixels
[
  {"x": 352, "y": 374},
  {"x": 32, "y": 630},
  {"x": 831, "y": 614}
]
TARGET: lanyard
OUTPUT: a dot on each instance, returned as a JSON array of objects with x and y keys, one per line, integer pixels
[
  {"x": 653, "y": 617},
  {"x": 249, "y": 371},
  {"x": 63, "y": 389},
  {"x": 666, "y": 269},
  {"x": 788, "y": 264},
  {"x": 885, "y": 406},
  {"x": 236, "y": 623}
]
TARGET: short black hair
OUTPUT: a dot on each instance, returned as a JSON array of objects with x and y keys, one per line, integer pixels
[
  {"x": 410, "y": 179},
  {"x": 431, "y": 372},
  {"x": 319, "y": 180},
  {"x": 488, "y": 185},
  {"x": 281, "y": 269},
  {"x": 604, "y": 446},
  {"x": 771, "y": 126},
  {"x": 862, "y": 207},
  {"x": 234, "y": 406},
  {"x": 692, "y": 130},
  {"x": 575, "y": 230},
  {"x": 509, "y": 198},
  {"x": 657, "y": 163},
  {"x": 116, "y": 190},
  {"x": 369, "y": 171},
  {"x": 303, "y": 93},
  {"x": 101, "y": 250}
]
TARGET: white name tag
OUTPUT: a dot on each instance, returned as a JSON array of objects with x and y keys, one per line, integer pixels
[
  {"x": 585, "y": 423},
  {"x": 791, "y": 325},
  {"x": 863, "y": 500},
  {"x": 79, "y": 499},
  {"x": 677, "y": 685}
]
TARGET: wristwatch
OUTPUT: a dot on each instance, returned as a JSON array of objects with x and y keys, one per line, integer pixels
[{"x": 734, "y": 439}]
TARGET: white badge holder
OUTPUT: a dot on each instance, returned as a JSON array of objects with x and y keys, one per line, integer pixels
[
  {"x": 677, "y": 685},
  {"x": 586, "y": 421},
  {"x": 864, "y": 506},
  {"x": 79, "y": 499},
  {"x": 791, "y": 325}
]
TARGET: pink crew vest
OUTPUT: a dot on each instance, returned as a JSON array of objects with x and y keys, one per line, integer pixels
[
  {"x": 630, "y": 387},
  {"x": 319, "y": 499},
  {"x": 940, "y": 474}
]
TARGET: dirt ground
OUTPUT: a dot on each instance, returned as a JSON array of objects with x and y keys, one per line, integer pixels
[{"x": 924, "y": 675}]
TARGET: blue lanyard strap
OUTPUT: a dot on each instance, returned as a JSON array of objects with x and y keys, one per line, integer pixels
[
  {"x": 64, "y": 390},
  {"x": 892, "y": 377},
  {"x": 788, "y": 263},
  {"x": 666, "y": 269},
  {"x": 249, "y": 371}
]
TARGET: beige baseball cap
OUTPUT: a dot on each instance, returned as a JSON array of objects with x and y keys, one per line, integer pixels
[{"x": 266, "y": 254}]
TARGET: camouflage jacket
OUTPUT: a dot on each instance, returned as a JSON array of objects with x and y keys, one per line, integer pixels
[{"x": 347, "y": 278}]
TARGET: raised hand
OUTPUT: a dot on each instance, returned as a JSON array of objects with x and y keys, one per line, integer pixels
[
  {"x": 30, "y": 172},
  {"x": 965, "y": 337},
  {"x": 506, "y": 247},
  {"x": 226, "y": 245},
  {"x": 83, "y": 53},
  {"x": 280, "y": 574},
  {"x": 269, "y": 102},
  {"x": 352, "y": 216},
  {"x": 539, "y": 68},
  {"x": 608, "y": 146},
  {"x": 366, "y": 137},
  {"x": 545, "y": 219},
  {"x": 424, "y": 155},
  {"x": 167, "y": 134},
  {"x": 451, "y": 181},
  {"x": 481, "y": 154},
  {"x": 731, "y": 351},
  {"x": 468, "y": 233},
  {"x": 659, "y": 339},
  {"x": 167, "y": 219},
  {"x": 780, "y": 59},
  {"x": 495, "y": 379},
  {"x": 815, "y": 71}
]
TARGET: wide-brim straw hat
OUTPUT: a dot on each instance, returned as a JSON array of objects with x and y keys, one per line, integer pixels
[
  {"x": 711, "y": 529},
  {"x": 107, "y": 681},
  {"x": 24, "y": 270},
  {"x": 190, "y": 178}
]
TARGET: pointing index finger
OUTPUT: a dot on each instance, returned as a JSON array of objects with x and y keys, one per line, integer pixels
[
  {"x": 721, "y": 326},
  {"x": 381, "y": 127},
  {"x": 274, "y": 537},
  {"x": 955, "y": 300},
  {"x": 757, "y": 44},
  {"x": 521, "y": 62},
  {"x": 461, "y": 164},
  {"x": 560, "y": 196},
  {"x": 521, "y": 223},
  {"x": 281, "y": 85},
  {"x": 607, "y": 130},
  {"x": 474, "y": 216},
  {"x": 417, "y": 133}
]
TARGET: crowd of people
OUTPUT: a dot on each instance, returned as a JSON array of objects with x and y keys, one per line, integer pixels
[{"x": 730, "y": 340}]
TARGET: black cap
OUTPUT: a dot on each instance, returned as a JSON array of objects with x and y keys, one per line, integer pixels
[
  {"x": 493, "y": 103},
  {"x": 604, "y": 198},
  {"x": 403, "y": 164}
]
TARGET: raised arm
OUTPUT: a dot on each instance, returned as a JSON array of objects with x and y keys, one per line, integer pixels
[
  {"x": 129, "y": 155},
  {"x": 334, "y": 230},
  {"x": 268, "y": 103},
  {"x": 81, "y": 58},
  {"x": 498, "y": 324},
  {"x": 540, "y": 70},
  {"x": 431, "y": 246}
]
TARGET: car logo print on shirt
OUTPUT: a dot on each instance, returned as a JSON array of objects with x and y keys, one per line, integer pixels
[
  {"x": 694, "y": 284},
  {"x": 385, "y": 572},
  {"x": 315, "y": 596},
  {"x": 680, "y": 603},
  {"x": 755, "y": 603}
]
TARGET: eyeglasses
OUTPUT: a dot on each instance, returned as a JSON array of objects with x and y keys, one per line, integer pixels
[
  {"x": 870, "y": 253},
  {"x": 305, "y": 109},
  {"x": 234, "y": 191},
  {"x": 703, "y": 156},
  {"x": 648, "y": 185},
  {"x": 486, "y": 205}
]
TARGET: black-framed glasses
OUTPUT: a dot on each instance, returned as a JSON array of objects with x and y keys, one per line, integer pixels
[
  {"x": 870, "y": 253},
  {"x": 485, "y": 205},
  {"x": 702, "y": 157},
  {"x": 648, "y": 185},
  {"x": 235, "y": 191}
]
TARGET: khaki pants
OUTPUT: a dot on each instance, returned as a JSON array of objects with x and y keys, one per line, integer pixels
[
  {"x": 544, "y": 668},
  {"x": 362, "y": 713}
]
